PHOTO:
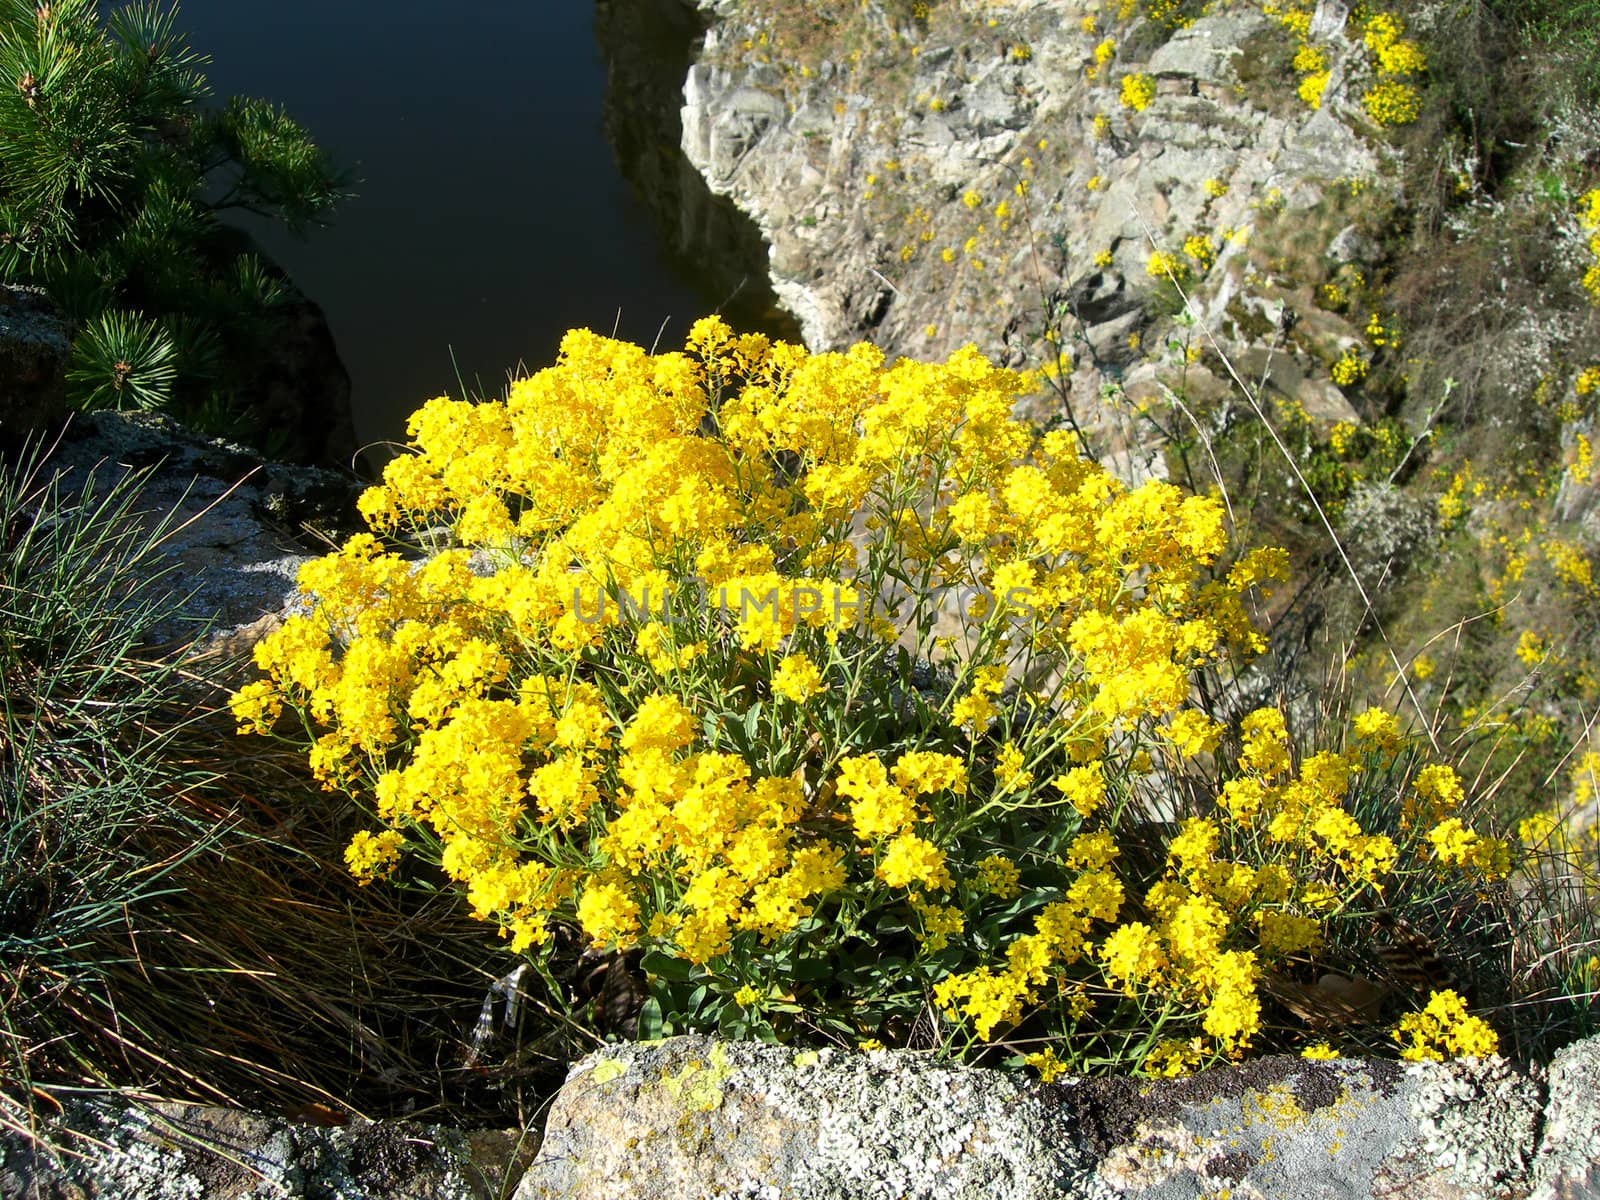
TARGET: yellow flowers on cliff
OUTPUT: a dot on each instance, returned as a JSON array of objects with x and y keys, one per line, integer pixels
[
  {"x": 1138, "y": 90},
  {"x": 1392, "y": 100},
  {"x": 816, "y": 676},
  {"x": 1589, "y": 220}
]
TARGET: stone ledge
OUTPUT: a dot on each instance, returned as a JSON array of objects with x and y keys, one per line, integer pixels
[{"x": 696, "y": 1117}]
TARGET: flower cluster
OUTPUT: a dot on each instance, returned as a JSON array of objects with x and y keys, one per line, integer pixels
[
  {"x": 1392, "y": 100},
  {"x": 1444, "y": 1029},
  {"x": 1589, "y": 219},
  {"x": 834, "y": 684},
  {"x": 1138, "y": 90}
]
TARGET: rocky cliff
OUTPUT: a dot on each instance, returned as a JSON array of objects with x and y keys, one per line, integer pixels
[{"x": 975, "y": 173}]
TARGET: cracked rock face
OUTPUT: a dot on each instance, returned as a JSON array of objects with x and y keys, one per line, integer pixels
[
  {"x": 876, "y": 177},
  {"x": 694, "y": 1117}
]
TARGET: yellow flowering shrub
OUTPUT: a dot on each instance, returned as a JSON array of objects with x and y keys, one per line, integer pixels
[
  {"x": 1589, "y": 220},
  {"x": 843, "y": 696},
  {"x": 1350, "y": 368},
  {"x": 1138, "y": 90},
  {"x": 1444, "y": 1029},
  {"x": 1391, "y": 102}
]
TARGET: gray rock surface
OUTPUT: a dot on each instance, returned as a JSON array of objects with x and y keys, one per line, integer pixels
[
  {"x": 1568, "y": 1163},
  {"x": 855, "y": 170},
  {"x": 694, "y": 1117},
  {"x": 231, "y": 526},
  {"x": 181, "y": 1152},
  {"x": 697, "y": 1118}
]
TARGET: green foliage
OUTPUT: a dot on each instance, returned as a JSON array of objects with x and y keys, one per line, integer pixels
[
  {"x": 112, "y": 176},
  {"x": 86, "y": 788},
  {"x": 120, "y": 360},
  {"x": 1567, "y": 31},
  {"x": 78, "y": 702}
]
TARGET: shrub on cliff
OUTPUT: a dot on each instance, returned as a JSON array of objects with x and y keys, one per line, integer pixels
[
  {"x": 112, "y": 175},
  {"x": 864, "y": 713}
]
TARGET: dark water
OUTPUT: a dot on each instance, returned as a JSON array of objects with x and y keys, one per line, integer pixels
[{"x": 491, "y": 215}]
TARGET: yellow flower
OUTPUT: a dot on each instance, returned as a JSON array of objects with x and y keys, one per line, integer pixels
[
  {"x": 923, "y": 772},
  {"x": 1378, "y": 730},
  {"x": 1391, "y": 102},
  {"x": 911, "y": 860},
  {"x": 940, "y": 922},
  {"x": 1045, "y": 1062},
  {"x": 1091, "y": 851},
  {"x": 1192, "y": 733},
  {"x": 878, "y": 807},
  {"x": 1133, "y": 956},
  {"x": 661, "y": 722},
  {"x": 999, "y": 876},
  {"x": 1171, "y": 1058},
  {"x": 1084, "y": 787},
  {"x": 1444, "y": 1029},
  {"x": 1266, "y": 743},
  {"x": 797, "y": 679},
  {"x": 1138, "y": 90},
  {"x": 1454, "y": 843},
  {"x": 608, "y": 914},
  {"x": 373, "y": 855}
]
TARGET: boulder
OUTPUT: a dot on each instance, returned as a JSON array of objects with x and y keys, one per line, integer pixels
[
  {"x": 697, "y": 1117},
  {"x": 298, "y": 389},
  {"x": 1568, "y": 1163},
  {"x": 35, "y": 339},
  {"x": 235, "y": 524},
  {"x": 179, "y": 1152}
]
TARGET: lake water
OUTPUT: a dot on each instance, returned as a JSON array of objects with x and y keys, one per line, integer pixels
[{"x": 491, "y": 214}]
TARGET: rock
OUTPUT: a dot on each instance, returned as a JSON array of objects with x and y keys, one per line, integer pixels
[
  {"x": 722, "y": 133},
  {"x": 1350, "y": 245},
  {"x": 298, "y": 389},
  {"x": 907, "y": 199},
  {"x": 647, "y": 48},
  {"x": 235, "y": 538},
  {"x": 179, "y": 1152},
  {"x": 1476, "y": 1126},
  {"x": 35, "y": 340},
  {"x": 1568, "y": 1162},
  {"x": 708, "y": 1119},
  {"x": 1204, "y": 51},
  {"x": 695, "y": 1117},
  {"x": 1277, "y": 371},
  {"x": 1196, "y": 384}
]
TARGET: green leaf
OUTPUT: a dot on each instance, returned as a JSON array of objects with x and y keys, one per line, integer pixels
[
  {"x": 666, "y": 966},
  {"x": 650, "y": 1022}
]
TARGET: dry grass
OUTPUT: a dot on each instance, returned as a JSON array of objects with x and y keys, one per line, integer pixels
[{"x": 267, "y": 978}]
